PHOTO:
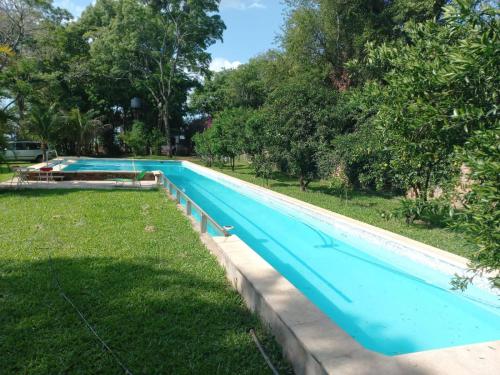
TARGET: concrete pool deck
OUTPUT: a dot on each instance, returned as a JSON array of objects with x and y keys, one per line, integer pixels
[{"x": 75, "y": 184}]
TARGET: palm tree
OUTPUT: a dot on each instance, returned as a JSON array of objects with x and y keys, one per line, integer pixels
[
  {"x": 84, "y": 127},
  {"x": 43, "y": 123}
]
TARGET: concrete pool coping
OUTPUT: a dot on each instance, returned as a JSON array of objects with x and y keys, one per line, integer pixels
[
  {"x": 311, "y": 341},
  {"x": 75, "y": 184}
]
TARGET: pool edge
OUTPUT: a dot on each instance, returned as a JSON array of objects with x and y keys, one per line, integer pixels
[{"x": 313, "y": 343}]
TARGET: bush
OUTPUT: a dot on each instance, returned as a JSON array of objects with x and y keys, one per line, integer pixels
[
  {"x": 340, "y": 186},
  {"x": 155, "y": 139},
  {"x": 136, "y": 138},
  {"x": 480, "y": 219},
  {"x": 263, "y": 166},
  {"x": 435, "y": 212},
  {"x": 203, "y": 146}
]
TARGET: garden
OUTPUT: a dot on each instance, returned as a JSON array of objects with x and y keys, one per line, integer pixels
[{"x": 383, "y": 111}]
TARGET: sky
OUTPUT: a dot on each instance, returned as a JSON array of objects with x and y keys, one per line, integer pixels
[{"x": 251, "y": 28}]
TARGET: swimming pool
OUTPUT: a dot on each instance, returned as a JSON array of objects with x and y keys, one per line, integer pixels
[{"x": 390, "y": 301}]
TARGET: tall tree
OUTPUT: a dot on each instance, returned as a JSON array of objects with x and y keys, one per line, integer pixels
[
  {"x": 323, "y": 35},
  {"x": 439, "y": 88},
  {"x": 159, "y": 48}
]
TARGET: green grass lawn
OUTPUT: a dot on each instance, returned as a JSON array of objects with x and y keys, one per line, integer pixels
[
  {"x": 6, "y": 171},
  {"x": 362, "y": 206},
  {"x": 139, "y": 273}
]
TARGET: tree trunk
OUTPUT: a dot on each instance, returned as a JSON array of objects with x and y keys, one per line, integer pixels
[
  {"x": 44, "y": 152},
  {"x": 427, "y": 181},
  {"x": 166, "y": 125},
  {"x": 302, "y": 183}
]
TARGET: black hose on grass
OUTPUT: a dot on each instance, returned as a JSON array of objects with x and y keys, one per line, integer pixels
[
  {"x": 82, "y": 317},
  {"x": 261, "y": 350}
]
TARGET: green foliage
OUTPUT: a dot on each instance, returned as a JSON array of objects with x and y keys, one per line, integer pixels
[
  {"x": 155, "y": 140},
  {"x": 228, "y": 133},
  {"x": 440, "y": 85},
  {"x": 298, "y": 119},
  {"x": 480, "y": 219},
  {"x": 157, "y": 48},
  {"x": 248, "y": 86},
  {"x": 204, "y": 146},
  {"x": 323, "y": 35},
  {"x": 263, "y": 165},
  {"x": 225, "y": 139},
  {"x": 339, "y": 185},
  {"x": 43, "y": 123},
  {"x": 435, "y": 212},
  {"x": 136, "y": 138},
  {"x": 115, "y": 51},
  {"x": 357, "y": 148},
  {"x": 83, "y": 129}
]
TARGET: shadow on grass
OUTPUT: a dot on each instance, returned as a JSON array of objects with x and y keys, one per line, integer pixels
[{"x": 158, "y": 318}]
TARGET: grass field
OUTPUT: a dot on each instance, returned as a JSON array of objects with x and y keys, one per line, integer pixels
[
  {"x": 362, "y": 206},
  {"x": 136, "y": 269},
  {"x": 6, "y": 171}
]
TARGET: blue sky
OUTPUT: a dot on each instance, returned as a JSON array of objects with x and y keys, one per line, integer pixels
[{"x": 251, "y": 28}]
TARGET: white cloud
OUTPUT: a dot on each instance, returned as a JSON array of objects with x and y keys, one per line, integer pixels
[
  {"x": 242, "y": 4},
  {"x": 220, "y": 63},
  {"x": 71, "y": 5}
]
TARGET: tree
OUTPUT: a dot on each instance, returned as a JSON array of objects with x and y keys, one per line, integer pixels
[
  {"x": 23, "y": 74},
  {"x": 480, "y": 220},
  {"x": 158, "y": 47},
  {"x": 244, "y": 87},
  {"x": 204, "y": 146},
  {"x": 136, "y": 138},
  {"x": 440, "y": 87},
  {"x": 228, "y": 128},
  {"x": 323, "y": 35},
  {"x": 43, "y": 123},
  {"x": 213, "y": 95},
  {"x": 298, "y": 117},
  {"x": 21, "y": 20},
  {"x": 83, "y": 128}
]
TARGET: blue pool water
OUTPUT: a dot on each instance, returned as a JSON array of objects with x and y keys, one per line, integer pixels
[{"x": 388, "y": 302}]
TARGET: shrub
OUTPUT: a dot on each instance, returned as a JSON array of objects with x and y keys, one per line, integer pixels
[
  {"x": 136, "y": 138},
  {"x": 435, "y": 212},
  {"x": 480, "y": 219},
  {"x": 203, "y": 146},
  {"x": 155, "y": 139}
]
